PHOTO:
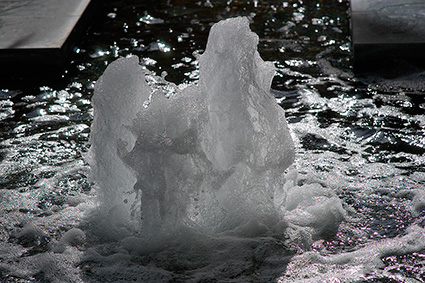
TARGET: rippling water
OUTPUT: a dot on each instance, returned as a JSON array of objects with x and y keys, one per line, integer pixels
[{"x": 360, "y": 135}]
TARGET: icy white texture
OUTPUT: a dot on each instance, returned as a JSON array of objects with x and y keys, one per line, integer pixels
[
  {"x": 210, "y": 156},
  {"x": 119, "y": 94}
]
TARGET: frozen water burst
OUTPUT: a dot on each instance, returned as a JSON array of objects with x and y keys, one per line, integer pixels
[{"x": 211, "y": 156}]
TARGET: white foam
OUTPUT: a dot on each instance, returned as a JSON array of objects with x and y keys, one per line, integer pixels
[
  {"x": 210, "y": 156},
  {"x": 359, "y": 264}
]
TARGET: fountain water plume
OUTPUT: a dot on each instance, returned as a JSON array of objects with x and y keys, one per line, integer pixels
[{"x": 209, "y": 157}]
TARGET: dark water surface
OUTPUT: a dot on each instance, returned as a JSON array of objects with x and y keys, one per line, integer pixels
[{"x": 363, "y": 135}]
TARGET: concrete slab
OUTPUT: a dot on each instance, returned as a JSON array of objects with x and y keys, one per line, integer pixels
[
  {"x": 383, "y": 29},
  {"x": 39, "y": 31}
]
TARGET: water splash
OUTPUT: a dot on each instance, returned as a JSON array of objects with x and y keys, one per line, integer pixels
[{"x": 210, "y": 156}]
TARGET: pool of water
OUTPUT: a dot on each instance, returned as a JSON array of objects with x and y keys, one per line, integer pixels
[{"x": 361, "y": 135}]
